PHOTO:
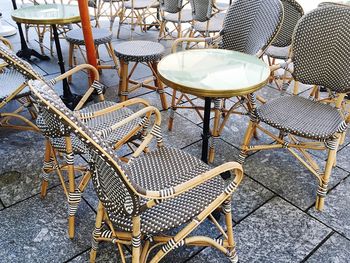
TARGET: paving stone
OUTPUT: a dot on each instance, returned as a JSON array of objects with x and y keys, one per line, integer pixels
[
  {"x": 21, "y": 162},
  {"x": 36, "y": 231},
  {"x": 191, "y": 114},
  {"x": 154, "y": 99},
  {"x": 106, "y": 253},
  {"x": 335, "y": 250},
  {"x": 279, "y": 171},
  {"x": 343, "y": 158},
  {"x": 276, "y": 232},
  {"x": 336, "y": 212}
]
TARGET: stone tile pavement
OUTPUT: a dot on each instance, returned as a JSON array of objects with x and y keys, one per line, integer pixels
[{"x": 273, "y": 209}]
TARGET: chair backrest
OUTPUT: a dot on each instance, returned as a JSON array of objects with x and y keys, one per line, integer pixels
[
  {"x": 114, "y": 188},
  {"x": 19, "y": 64},
  {"x": 251, "y": 25},
  {"x": 201, "y": 9},
  {"x": 321, "y": 48},
  {"x": 171, "y": 6},
  {"x": 292, "y": 13}
]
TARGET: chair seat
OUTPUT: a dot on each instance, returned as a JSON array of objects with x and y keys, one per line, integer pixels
[
  {"x": 100, "y": 35},
  {"x": 142, "y": 4},
  {"x": 139, "y": 51},
  {"x": 167, "y": 167},
  {"x": 215, "y": 24},
  {"x": 186, "y": 16},
  {"x": 301, "y": 117},
  {"x": 96, "y": 124},
  {"x": 278, "y": 52},
  {"x": 10, "y": 80}
]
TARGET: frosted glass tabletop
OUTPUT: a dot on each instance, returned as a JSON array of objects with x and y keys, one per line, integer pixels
[
  {"x": 213, "y": 72},
  {"x": 47, "y": 14}
]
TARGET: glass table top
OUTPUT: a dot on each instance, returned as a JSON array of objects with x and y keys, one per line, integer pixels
[
  {"x": 213, "y": 72},
  {"x": 47, "y": 14}
]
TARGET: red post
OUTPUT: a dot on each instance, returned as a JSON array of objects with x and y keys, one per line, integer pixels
[{"x": 89, "y": 40}]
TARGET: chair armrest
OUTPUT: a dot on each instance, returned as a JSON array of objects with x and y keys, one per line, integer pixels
[
  {"x": 193, "y": 39},
  {"x": 196, "y": 181},
  {"x": 6, "y": 42},
  {"x": 77, "y": 69},
  {"x": 112, "y": 108}
]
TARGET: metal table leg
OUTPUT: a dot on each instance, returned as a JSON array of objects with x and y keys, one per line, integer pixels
[
  {"x": 25, "y": 51},
  {"x": 70, "y": 99},
  {"x": 206, "y": 129}
]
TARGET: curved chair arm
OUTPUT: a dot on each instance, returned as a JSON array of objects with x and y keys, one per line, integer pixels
[
  {"x": 206, "y": 40},
  {"x": 112, "y": 108},
  {"x": 194, "y": 182},
  {"x": 6, "y": 42},
  {"x": 138, "y": 114}
]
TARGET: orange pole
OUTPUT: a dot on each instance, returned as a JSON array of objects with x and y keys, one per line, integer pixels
[{"x": 89, "y": 40}]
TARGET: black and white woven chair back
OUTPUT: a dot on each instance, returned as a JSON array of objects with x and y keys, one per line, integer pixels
[
  {"x": 201, "y": 9},
  {"x": 251, "y": 25},
  {"x": 292, "y": 13},
  {"x": 171, "y": 6},
  {"x": 18, "y": 64},
  {"x": 321, "y": 48},
  {"x": 111, "y": 183}
]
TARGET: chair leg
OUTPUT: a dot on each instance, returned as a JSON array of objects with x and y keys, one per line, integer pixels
[
  {"x": 73, "y": 196},
  {"x": 114, "y": 57},
  {"x": 97, "y": 232},
  {"x": 47, "y": 168},
  {"x": 172, "y": 111},
  {"x": 136, "y": 239},
  {"x": 323, "y": 185},
  {"x": 123, "y": 81},
  {"x": 159, "y": 85},
  {"x": 215, "y": 135},
  {"x": 246, "y": 141},
  {"x": 232, "y": 255},
  {"x": 70, "y": 59}
]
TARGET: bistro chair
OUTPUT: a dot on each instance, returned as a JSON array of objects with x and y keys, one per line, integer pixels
[
  {"x": 249, "y": 27},
  {"x": 320, "y": 54},
  {"x": 207, "y": 18},
  {"x": 110, "y": 9},
  {"x": 173, "y": 11},
  {"x": 280, "y": 47},
  {"x": 154, "y": 192},
  {"x": 13, "y": 88},
  {"x": 101, "y": 36},
  {"x": 99, "y": 116},
  {"x": 136, "y": 13},
  {"x": 147, "y": 53}
]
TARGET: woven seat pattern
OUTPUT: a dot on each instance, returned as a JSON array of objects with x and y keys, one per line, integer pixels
[
  {"x": 100, "y": 36},
  {"x": 201, "y": 10},
  {"x": 10, "y": 80},
  {"x": 139, "y": 51},
  {"x": 215, "y": 24},
  {"x": 250, "y": 26},
  {"x": 186, "y": 16},
  {"x": 301, "y": 116},
  {"x": 328, "y": 68},
  {"x": 164, "y": 168}
]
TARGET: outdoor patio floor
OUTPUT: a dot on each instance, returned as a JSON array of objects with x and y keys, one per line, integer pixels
[{"x": 273, "y": 208}]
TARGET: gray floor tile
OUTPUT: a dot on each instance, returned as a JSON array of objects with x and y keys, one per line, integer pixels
[
  {"x": 276, "y": 232},
  {"x": 106, "y": 253},
  {"x": 336, "y": 213},
  {"x": 335, "y": 250},
  {"x": 36, "y": 231},
  {"x": 21, "y": 162},
  {"x": 279, "y": 171},
  {"x": 343, "y": 158}
]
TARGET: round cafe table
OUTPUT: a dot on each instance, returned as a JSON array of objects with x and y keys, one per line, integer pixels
[
  {"x": 213, "y": 73},
  {"x": 53, "y": 15}
]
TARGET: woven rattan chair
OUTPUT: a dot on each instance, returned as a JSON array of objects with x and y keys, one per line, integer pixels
[
  {"x": 99, "y": 116},
  {"x": 249, "y": 27},
  {"x": 110, "y": 9},
  {"x": 136, "y": 13},
  {"x": 320, "y": 54},
  {"x": 173, "y": 11},
  {"x": 152, "y": 193},
  {"x": 13, "y": 87},
  {"x": 279, "y": 48}
]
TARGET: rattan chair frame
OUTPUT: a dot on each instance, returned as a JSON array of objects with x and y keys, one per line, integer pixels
[
  {"x": 140, "y": 252},
  {"x": 299, "y": 145}
]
